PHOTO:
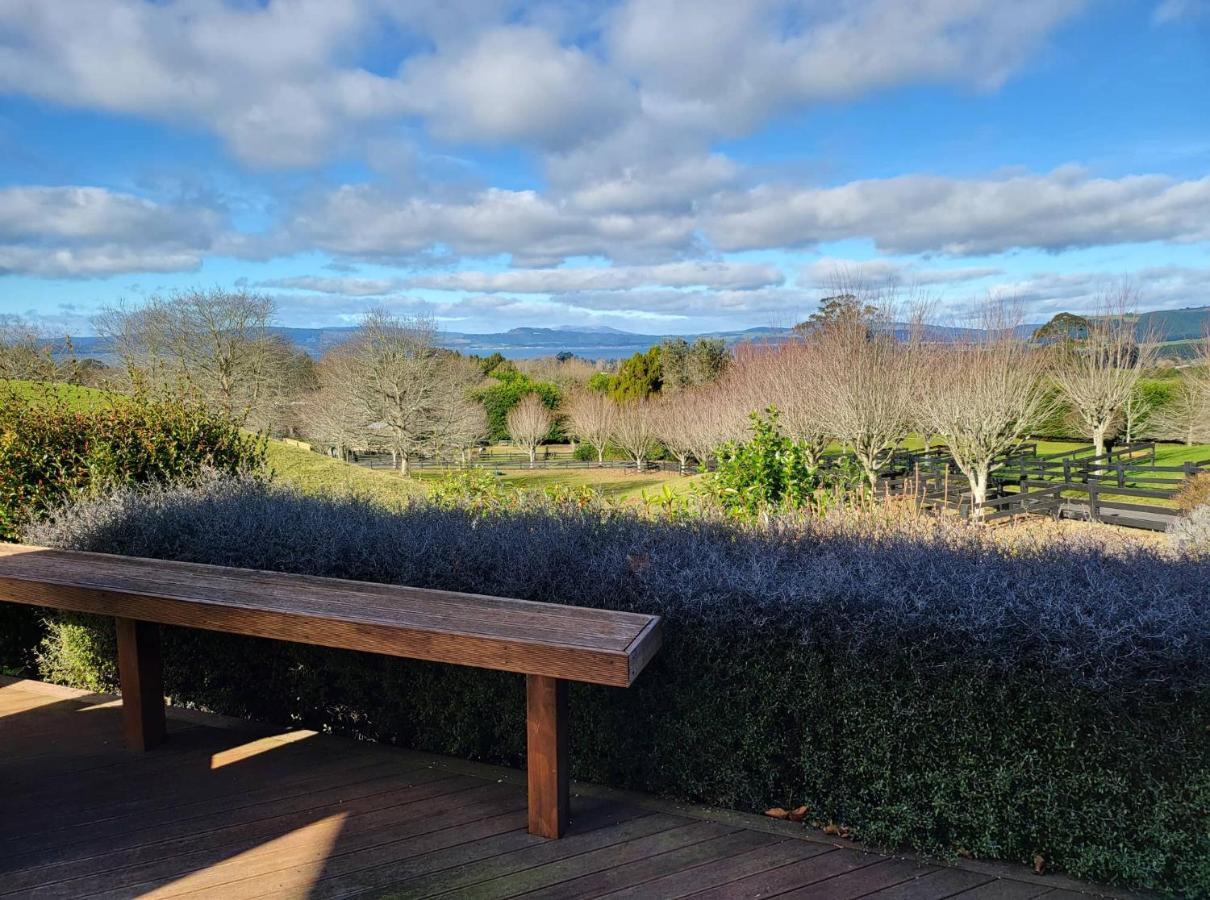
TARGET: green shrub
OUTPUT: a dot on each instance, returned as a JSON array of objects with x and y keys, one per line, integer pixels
[
  {"x": 918, "y": 682},
  {"x": 768, "y": 472},
  {"x": 53, "y": 449},
  {"x": 510, "y": 387},
  {"x": 51, "y": 454}
]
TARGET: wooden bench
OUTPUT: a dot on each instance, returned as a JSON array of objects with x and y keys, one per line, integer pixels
[{"x": 550, "y": 644}]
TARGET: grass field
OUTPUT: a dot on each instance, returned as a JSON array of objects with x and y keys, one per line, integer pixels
[
  {"x": 72, "y": 396},
  {"x": 313, "y": 472}
]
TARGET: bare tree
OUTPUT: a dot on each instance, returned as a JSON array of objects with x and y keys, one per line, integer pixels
[
  {"x": 634, "y": 431},
  {"x": 529, "y": 424},
  {"x": 1187, "y": 416},
  {"x": 401, "y": 386},
  {"x": 720, "y": 415},
  {"x": 789, "y": 377},
  {"x": 675, "y": 418},
  {"x": 868, "y": 368},
  {"x": 275, "y": 401},
  {"x": 25, "y": 354},
  {"x": 983, "y": 398},
  {"x": 591, "y": 416},
  {"x": 1098, "y": 375},
  {"x": 213, "y": 344}
]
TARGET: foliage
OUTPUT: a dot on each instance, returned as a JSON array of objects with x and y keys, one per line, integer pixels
[
  {"x": 53, "y": 451},
  {"x": 1064, "y": 327},
  {"x": 600, "y": 382},
  {"x": 685, "y": 365},
  {"x": 50, "y": 454},
  {"x": 1192, "y": 533},
  {"x": 847, "y": 306},
  {"x": 585, "y": 452},
  {"x": 768, "y": 472},
  {"x": 1194, "y": 492},
  {"x": 639, "y": 376},
  {"x": 916, "y": 682},
  {"x": 511, "y": 385},
  {"x": 471, "y": 488},
  {"x": 495, "y": 364}
]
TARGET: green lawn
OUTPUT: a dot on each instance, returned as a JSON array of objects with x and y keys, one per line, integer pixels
[
  {"x": 315, "y": 473},
  {"x": 71, "y": 395},
  {"x": 613, "y": 484}
]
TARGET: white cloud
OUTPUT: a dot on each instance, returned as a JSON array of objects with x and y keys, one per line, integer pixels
[
  {"x": 268, "y": 79},
  {"x": 1159, "y": 287},
  {"x": 349, "y": 287},
  {"x": 725, "y": 66},
  {"x": 827, "y": 271},
  {"x": 910, "y": 214},
  {"x": 288, "y": 83},
  {"x": 364, "y": 222},
  {"x": 80, "y": 232},
  {"x": 518, "y": 84},
  {"x": 735, "y": 276},
  {"x": 923, "y": 213}
]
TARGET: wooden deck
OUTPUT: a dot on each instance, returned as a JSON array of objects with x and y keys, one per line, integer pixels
[{"x": 229, "y": 809}]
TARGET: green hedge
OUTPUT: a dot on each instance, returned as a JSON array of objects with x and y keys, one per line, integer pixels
[
  {"x": 929, "y": 691},
  {"x": 55, "y": 448}
]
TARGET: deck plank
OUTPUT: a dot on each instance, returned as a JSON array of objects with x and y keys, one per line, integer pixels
[
  {"x": 639, "y": 873},
  {"x": 719, "y": 872},
  {"x": 241, "y": 812},
  {"x": 1005, "y": 889}
]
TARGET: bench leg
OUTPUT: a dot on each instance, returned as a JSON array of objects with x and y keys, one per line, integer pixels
[
  {"x": 140, "y": 672},
  {"x": 546, "y": 703}
]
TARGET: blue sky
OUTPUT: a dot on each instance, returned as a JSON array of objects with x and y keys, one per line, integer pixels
[{"x": 656, "y": 165}]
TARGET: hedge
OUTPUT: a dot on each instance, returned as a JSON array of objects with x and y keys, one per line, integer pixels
[
  {"x": 55, "y": 448},
  {"x": 926, "y": 687}
]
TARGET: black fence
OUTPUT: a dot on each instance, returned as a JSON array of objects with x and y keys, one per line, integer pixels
[{"x": 1072, "y": 484}]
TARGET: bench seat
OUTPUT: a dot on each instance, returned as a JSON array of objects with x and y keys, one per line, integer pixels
[{"x": 550, "y": 644}]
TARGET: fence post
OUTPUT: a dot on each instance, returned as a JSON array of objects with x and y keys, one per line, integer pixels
[
  {"x": 1121, "y": 474},
  {"x": 1094, "y": 511},
  {"x": 1067, "y": 469}
]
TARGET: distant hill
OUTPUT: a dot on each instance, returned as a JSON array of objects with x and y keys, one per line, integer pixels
[
  {"x": 603, "y": 342},
  {"x": 1176, "y": 324}
]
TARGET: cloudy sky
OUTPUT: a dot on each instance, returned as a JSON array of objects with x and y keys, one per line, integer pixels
[{"x": 655, "y": 165}]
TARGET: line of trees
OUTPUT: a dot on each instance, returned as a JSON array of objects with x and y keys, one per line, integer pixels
[
  {"x": 861, "y": 374},
  {"x": 864, "y": 377}
]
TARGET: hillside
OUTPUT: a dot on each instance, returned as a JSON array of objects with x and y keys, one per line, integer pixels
[{"x": 1176, "y": 324}]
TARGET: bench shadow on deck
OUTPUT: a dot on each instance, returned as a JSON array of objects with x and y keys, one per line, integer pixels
[{"x": 230, "y": 809}]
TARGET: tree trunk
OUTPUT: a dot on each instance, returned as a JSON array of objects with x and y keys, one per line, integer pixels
[
  {"x": 978, "y": 482},
  {"x": 533, "y": 457},
  {"x": 639, "y": 463},
  {"x": 1098, "y": 439},
  {"x": 601, "y": 456},
  {"x": 404, "y": 468}
]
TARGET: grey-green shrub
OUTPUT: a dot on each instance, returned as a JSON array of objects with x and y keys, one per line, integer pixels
[
  {"x": 925, "y": 687},
  {"x": 1191, "y": 533}
]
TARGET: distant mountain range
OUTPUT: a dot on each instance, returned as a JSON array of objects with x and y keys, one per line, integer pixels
[{"x": 603, "y": 342}]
